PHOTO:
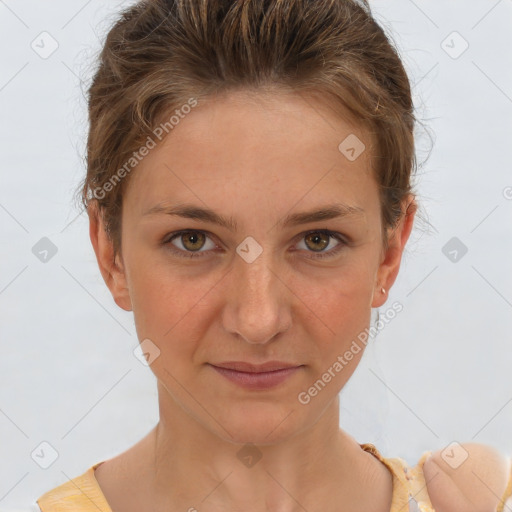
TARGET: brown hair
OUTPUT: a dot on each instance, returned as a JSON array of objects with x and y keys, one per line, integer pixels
[{"x": 160, "y": 54}]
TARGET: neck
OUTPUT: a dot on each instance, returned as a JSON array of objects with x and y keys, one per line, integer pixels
[{"x": 194, "y": 468}]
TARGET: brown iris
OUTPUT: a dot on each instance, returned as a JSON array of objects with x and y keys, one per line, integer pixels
[
  {"x": 316, "y": 238},
  {"x": 190, "y": 240}
]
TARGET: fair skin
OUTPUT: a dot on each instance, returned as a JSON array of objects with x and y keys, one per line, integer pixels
[
  {"x": 256, "y": 158},
  {"x": 259, "y": 161}
]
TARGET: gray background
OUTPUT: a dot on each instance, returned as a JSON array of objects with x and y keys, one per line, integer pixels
[{"x": 439, "y": 372}]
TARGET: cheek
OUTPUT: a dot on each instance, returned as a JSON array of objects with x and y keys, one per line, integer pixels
[
  {"x": 336, "y": 313},
  {"x": 340, "y": 296},
  {"x": 171, "y": 306}
]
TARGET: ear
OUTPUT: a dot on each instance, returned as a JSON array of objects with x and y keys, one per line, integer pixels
[
  {"x": 112, "y": 269},
  {"x": 392, "y": 257}
]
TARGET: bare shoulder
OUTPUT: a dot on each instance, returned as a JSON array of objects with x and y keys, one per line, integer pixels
[{"x": 467, "y": 477}]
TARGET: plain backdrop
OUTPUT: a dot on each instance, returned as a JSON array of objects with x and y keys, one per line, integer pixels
[{"x": 440, "y": 372}]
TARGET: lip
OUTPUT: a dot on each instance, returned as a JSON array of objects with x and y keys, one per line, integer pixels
[
  {"x": 242, "y": 366},
  {"x": 256, "y": 376}
]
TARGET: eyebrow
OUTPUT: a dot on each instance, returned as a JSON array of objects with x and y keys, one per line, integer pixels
[{"x": 189, "y": 211}]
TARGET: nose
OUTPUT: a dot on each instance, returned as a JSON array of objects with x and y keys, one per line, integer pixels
[{"x": 257, "y": 308}]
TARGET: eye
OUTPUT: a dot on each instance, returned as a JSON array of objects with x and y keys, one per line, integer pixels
[
  {"x": 320, "y": 239},
  {"x": 192, "y": 241}
]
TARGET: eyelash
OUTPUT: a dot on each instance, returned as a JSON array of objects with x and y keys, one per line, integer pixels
[{"x": 190, "y": 254}]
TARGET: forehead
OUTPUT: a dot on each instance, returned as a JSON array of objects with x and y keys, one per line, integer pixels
[{"x": 264, "y": 147}]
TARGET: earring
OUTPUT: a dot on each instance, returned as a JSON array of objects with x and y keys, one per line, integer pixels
[{"x": 383, "y": 290}]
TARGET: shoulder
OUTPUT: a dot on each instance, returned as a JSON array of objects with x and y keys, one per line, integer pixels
[
  {"x": 81, "y": 494},
  {"x": 467, "y": 477}
]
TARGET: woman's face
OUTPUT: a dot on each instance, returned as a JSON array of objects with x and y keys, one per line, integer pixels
[{"x": 255, "y": 288}]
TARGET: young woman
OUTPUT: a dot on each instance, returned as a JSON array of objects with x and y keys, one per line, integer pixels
[{"x": 249, "y": 196}]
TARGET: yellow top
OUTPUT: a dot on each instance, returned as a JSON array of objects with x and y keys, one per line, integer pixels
[{"x": 83, "y": 494}]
